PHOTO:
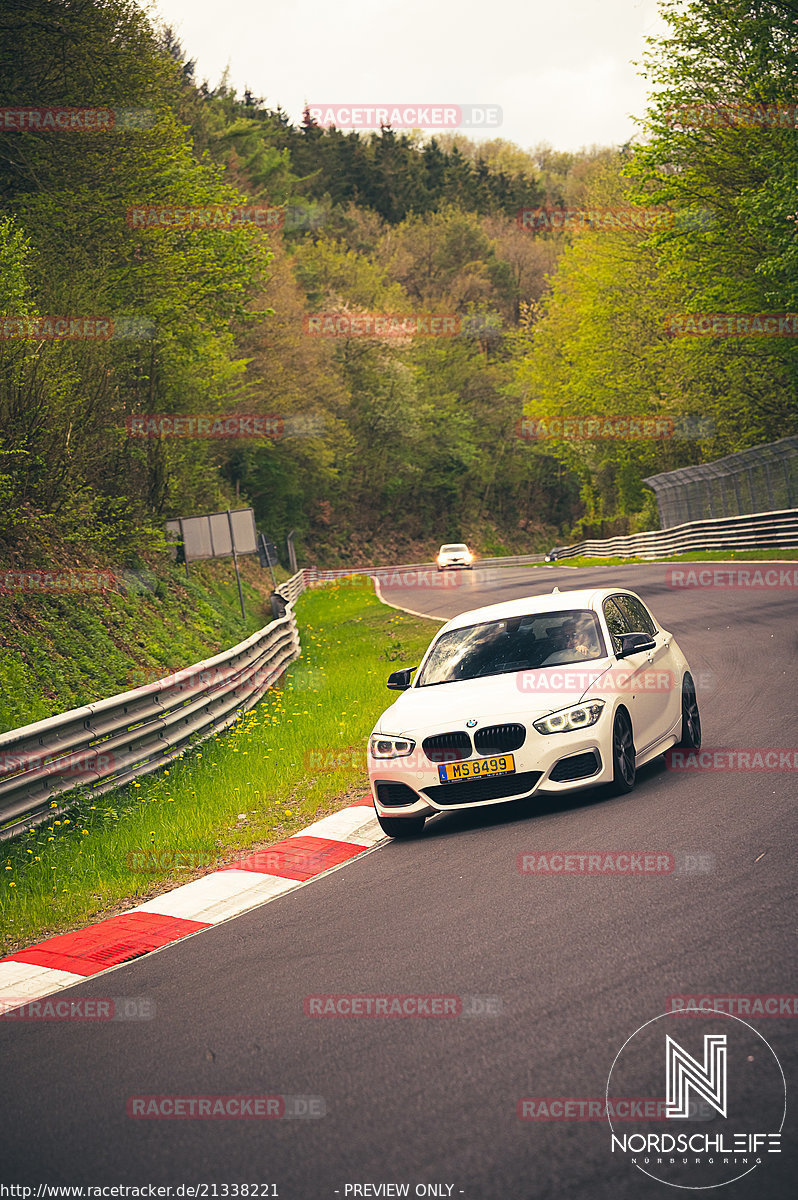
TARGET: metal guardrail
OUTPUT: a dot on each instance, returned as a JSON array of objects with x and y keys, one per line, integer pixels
[
  {"x": 111, "y": 742},
  {"x": 293, "y": 587},
  {"x": 723, "y": 533},
  {"x": 312, "y": 575}
]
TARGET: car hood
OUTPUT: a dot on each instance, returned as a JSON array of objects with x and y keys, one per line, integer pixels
[{"x": 525, "y": 695}]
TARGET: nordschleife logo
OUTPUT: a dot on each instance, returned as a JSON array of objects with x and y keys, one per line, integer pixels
[
  {"x": 683, "y": 1075},
  {"x": 725, "y": 1100}
]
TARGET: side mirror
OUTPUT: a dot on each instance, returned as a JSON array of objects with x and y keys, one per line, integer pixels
[
  {"x": 635, "y": 643},
  {"x": 399, "y": 681}
]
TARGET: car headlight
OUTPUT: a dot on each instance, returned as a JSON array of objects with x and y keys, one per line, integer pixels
[
  {"x": 569, "y": 719},
  {"x": 386, "y": 745}
]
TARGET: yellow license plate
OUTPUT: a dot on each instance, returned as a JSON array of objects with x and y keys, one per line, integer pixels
[{"x": 503, "y": 764}]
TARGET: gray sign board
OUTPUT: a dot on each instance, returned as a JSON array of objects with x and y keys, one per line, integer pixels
[{"x": 209, "y": 536}]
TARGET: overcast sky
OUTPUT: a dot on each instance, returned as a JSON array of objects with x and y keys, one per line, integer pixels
[{"x": 559, "y": 70}]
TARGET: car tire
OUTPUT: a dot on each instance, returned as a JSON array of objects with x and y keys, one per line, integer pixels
[
  {"x": 691, "y": 718},
  {"x": 401, "y": 827},
  {"x": 624, "y": 772}
]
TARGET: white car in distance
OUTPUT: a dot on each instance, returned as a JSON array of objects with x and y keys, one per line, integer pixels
[
  {"x": 454, "y": 554},
  {"x": 545, "y": 694}
]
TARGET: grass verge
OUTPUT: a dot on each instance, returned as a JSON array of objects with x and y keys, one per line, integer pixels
[
  {"x": 59, "y": 650},
  {"x": 297, "y": 755}
]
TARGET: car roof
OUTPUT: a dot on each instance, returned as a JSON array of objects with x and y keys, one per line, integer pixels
[{"x": 540, "y": 602}]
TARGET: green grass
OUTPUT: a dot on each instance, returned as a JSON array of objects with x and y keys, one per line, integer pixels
[
  {"x": 62, "y": 650},
  {"x": 775, "y": 554},
  {"x": 298, "y": 754}
]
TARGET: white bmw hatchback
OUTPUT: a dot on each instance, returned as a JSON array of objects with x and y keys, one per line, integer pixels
[
  {"x": 454, "y": 554},
  {"x": 545, "y": 694}
]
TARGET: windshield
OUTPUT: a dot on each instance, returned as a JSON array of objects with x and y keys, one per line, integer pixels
[
  {"x": 514, "y": 644},
  {"x": 453, "y": 549}
]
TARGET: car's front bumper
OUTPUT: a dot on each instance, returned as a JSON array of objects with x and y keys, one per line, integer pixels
[{"x": 543, "y": 756}]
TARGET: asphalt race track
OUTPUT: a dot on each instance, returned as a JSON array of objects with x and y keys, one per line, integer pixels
[{"x": 572, "y": 966}]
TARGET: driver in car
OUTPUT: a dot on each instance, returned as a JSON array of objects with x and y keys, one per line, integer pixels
[{"x": 580, "y": 638}]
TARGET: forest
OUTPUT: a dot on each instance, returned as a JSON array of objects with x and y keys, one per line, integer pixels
[{"x": 393, "y": 339}]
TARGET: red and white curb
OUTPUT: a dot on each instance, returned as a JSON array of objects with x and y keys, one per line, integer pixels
[{"x": 59, "y": 962}]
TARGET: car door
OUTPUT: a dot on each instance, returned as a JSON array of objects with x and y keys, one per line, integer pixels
[
  {"x": 665, "y": 682},
  {"x": 658, "y": 679},
  {"x": 633, "y": 676}
]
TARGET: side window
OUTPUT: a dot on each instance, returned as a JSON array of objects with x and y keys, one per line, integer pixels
[
  {"x": 636, "y": 614},
  {"x": 617, "y": 624}
]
